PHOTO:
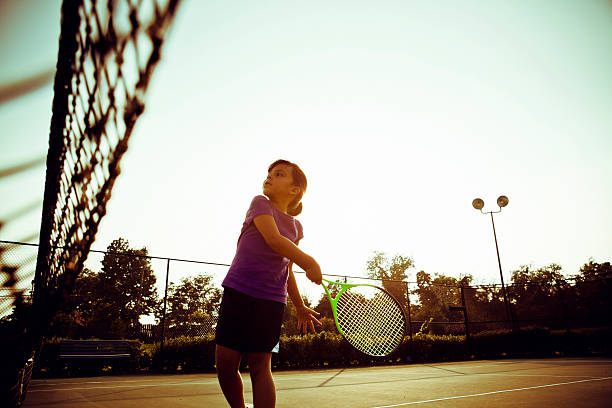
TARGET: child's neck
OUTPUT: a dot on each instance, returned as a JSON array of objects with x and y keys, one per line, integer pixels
[{"x": 280, "y": 205}]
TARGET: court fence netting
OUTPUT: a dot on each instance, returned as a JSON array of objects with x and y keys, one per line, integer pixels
[
  {"x": 133, "y": 295},
  {"x": 108, "y": 50}
]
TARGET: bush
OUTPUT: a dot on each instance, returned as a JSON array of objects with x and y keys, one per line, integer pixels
[
  {"x": 185, "y": 354},
  {"x": 328, "y": 349}
]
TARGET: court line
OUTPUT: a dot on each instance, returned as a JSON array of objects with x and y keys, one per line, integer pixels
[
  {"x": 128, "y": 386},
  {"x": 538, "y": 375},
  {"x": 351, "y": 372},
  {"x": 492, "y": 392},
  {"x": 42, "y": 383}
]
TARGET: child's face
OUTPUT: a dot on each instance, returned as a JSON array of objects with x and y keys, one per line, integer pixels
[{"x": 279, "y": 182}]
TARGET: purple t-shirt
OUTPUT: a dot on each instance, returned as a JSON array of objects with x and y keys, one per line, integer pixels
[{"x": 257, "y": 270}]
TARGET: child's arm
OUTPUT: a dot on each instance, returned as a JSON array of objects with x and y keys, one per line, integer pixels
[
  {"x": 306, "y": 316},
  {"x": 266, "y": 226}
]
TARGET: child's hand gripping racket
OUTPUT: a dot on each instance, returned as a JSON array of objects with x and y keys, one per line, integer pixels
[{"x": 368, "y": 317}]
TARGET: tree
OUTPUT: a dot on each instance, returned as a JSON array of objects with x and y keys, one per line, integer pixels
[
  {"x": 78, "y": 308},
  {"x": 195, "y": 301},
  {"x": 290, "y": 320},
  {"x": 595, "y": 271},
  {"x": 592, "y": 300},
  {"x": 535, "y": 293},
  {"x": 126, "y": 284},
  {"x": 437, "y": 295},
  {"x": 324, "y": 307},
  {"x": 392, "y": 273},
  {"x": 109, "y": 303}
]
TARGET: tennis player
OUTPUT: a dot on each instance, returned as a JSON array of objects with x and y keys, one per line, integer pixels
[{"x": 257, "y": 284}]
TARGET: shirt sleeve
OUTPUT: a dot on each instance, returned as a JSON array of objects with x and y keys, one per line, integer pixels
[
  {"x": 300, "y": 230},
  {"x": 259, "y": 206}
]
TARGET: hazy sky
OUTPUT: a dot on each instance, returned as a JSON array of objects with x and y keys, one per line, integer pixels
[{"x": 399, "y": 112}]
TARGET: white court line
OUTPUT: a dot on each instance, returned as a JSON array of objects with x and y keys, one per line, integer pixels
[
  {"x": 348, "y": 372},
  {"x": 41, "y": 383},
  {"x": 536, "y": 375},
  {"x": 129, "y": 386},
  {"x": 492, "y": 392}
]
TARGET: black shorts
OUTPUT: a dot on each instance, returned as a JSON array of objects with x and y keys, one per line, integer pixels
[{"x": 248, "y": 324}]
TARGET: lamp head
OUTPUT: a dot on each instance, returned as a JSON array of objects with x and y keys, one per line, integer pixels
[
  {"x": 478, "y": 204},
  {"x": 502, "y": 201}
]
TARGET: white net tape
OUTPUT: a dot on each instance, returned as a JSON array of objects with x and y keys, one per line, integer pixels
[{"x": 372, "y": 321}]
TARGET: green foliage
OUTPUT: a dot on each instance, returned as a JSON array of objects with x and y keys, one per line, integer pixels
[
  {"x": 591, "y": 297},
  {"x": 127, "y": 283},
  {"x": 430, "y": 347},
  {"x": 391, "y": 271},
  {"x": 192, "y": 302},
  {"x": 324, "y": 306},
  {"x": 328, "y": 324},
  {"x": 593, "y": 270},
  {"x": 534, "y": 293},
  {"x": 327, "y": 349},
  {"x": 290, "y": 320},
  {"x": 424, "y": 328},
  {"x": 185, "y": 354},
  {"x": 436, "y": 295},
  {"x": 109, "y": 303}
]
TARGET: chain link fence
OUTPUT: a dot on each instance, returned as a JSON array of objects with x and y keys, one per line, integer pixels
[{"x": 156, "y": 298}]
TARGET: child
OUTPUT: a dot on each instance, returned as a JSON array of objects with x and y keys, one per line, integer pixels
[{"x": 257, "y": 284}]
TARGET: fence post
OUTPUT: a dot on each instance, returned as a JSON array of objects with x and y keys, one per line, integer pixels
[
  {"x": 465, "y": 317},
  {"x": 409, "y": 312},
  {"x": 463, "y": 309},
  {"x": 163, "y": 328},
  {"x": 563, "y": 307}
]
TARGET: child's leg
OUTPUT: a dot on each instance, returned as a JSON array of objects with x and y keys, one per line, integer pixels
[
  {"x": 228, "y": 365},
  {"x": 260, "y": 369}
]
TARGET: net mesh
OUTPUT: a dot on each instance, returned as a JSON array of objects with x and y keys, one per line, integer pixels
[
  {"x": 107, "y": 53},
  {"x": 371, "y": 320},
  {"x": 108, "y": 50}
]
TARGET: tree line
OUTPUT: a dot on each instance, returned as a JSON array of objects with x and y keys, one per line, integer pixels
[{"x": 109, "y": 303}]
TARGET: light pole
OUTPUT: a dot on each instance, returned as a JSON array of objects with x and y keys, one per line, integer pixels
[{"x": 502, "y": 201}]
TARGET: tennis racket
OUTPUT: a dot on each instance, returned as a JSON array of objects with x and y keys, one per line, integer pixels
[{"x": 368, "y": 317}]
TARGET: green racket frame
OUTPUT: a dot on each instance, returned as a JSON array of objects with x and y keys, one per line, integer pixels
[
  {"x": 334, "y": 301},
  {"x": 344, "y": 287}
]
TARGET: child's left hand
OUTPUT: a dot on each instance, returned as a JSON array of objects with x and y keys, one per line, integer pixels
[{"x": 306, "y": 319}]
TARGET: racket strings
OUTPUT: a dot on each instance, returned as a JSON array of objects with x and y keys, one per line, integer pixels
[
  {"x": 371, "y": 320},
  {"x": 372, "y": 329}
]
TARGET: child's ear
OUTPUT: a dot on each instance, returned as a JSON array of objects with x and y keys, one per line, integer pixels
[{"x": 295, "y": 190}]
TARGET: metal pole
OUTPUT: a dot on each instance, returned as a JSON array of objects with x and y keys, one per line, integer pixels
[
  {"x": 409, "y": 313},
  {"x": 410, "y": 344},
  {"x": 465, "y": 318},
  {"x": 163, "y": 329},
  {"x": 563, "y": 307},
  {"x": 501, "y": 275}
]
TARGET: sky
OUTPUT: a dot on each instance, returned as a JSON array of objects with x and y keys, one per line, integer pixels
[{"x": 399, "y": 112}]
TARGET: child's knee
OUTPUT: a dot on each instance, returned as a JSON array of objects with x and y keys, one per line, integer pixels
[
  {"x": 259, "y": 363},
  {"x": 227, "y": 361}
]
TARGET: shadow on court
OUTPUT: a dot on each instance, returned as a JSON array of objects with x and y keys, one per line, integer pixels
[{"x": 496, "y": 383}]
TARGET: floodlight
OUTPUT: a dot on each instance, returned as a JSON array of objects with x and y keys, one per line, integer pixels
[
  {"x": 502, "y": 201},
  {"x": 478, "y": 203}
]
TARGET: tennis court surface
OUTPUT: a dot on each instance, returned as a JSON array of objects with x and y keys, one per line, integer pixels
[{"x": 495, "y": 383}]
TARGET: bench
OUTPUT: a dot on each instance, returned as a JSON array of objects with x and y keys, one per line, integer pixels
[{"x": 94, "y": 349}]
